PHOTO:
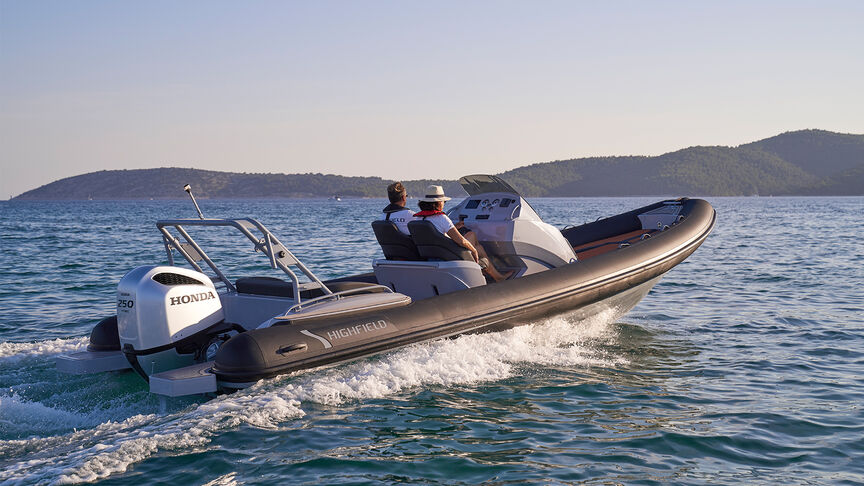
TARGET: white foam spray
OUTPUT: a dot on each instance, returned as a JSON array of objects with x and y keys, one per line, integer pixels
[
  {"x": 229, "y": 479},
  {"x": 12, "y": 353},
  {"x": 112, "y": 448}
]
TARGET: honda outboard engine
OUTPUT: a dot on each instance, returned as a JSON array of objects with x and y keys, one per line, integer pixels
[{"x": 168, "y": 317}]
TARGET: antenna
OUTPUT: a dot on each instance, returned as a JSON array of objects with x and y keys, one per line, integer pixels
[{"x": 188, "y": 189}]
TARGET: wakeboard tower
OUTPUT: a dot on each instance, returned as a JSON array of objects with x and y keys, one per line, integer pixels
[{"x": 195, "y": 330}]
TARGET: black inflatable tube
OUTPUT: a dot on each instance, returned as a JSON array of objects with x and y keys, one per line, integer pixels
[{"x": 253, "y": 355}]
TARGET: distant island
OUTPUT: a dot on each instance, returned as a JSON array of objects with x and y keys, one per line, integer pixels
[{"x": 806, "y": 162}]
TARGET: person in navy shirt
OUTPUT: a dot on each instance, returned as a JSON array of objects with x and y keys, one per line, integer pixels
[{"x": 396, "y": 210}]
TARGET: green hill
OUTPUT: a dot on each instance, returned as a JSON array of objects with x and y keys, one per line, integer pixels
[
  {"x": 817, "y": 152},
  {"x": 166, "y": 183},
  {"x": 807, "y": 162}
]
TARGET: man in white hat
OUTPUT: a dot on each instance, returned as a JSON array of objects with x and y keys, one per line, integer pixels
[{"x": 431, "y": 209}]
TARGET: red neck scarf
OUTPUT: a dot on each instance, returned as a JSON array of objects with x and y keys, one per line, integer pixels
[{"x": 423, "y": 214}]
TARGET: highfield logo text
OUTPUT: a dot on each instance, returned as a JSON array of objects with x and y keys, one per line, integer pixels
[{"x": 366, "y": 327}]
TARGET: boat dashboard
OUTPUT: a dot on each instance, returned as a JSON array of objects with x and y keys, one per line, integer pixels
[
  {"x": 487, "y": 207},
  {"x": 509, "y": 228}
]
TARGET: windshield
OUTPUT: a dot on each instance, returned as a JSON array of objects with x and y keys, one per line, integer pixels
[{"x": 481, "y": 183}]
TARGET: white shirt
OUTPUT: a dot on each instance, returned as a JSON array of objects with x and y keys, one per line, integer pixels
[
  {"x": 441, "y": 222},
  {"x": 400, "y": 219}
]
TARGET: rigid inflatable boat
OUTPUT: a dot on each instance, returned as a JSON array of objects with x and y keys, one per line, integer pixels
[{"x": 188, "y": 332}]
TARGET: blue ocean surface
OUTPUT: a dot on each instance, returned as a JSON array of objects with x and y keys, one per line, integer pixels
[{"x": 744, "y": 365}]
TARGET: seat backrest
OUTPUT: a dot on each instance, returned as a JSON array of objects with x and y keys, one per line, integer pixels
[
  {"x": 434, "y": 245},
  {"x": 396, "y": 245}
]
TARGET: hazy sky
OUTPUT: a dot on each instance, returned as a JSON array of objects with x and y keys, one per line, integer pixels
[{"x": 409, "y": 89}]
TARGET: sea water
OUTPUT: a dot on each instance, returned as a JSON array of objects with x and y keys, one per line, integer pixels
[{"x": 744, "y": 365}]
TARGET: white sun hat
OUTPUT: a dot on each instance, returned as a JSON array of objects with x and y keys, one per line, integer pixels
[{"x": 434, "y": 194}]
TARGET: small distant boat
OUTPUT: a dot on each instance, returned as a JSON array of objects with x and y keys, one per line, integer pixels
[
  {"x": 336, "y": 198},
  {"x": 189, "y": 333}
]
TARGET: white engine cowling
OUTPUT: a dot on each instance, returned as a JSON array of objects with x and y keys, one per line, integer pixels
[{"x": 160, "y": 305}]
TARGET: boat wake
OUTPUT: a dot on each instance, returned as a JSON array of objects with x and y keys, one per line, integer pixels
[
  {"x": 12, "y": 353},
  {"x": 43, "y": 441}
]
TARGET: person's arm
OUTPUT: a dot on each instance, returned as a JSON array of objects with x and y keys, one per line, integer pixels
[{"x": 454, "y": 235}]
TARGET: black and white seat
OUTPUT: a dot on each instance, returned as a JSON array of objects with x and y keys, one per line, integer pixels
[{"x": 442, "y": 266}]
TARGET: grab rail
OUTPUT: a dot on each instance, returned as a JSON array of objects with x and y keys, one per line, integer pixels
[
  {"x": 280, "y": 257},
  {"x": 332, "y": 296}
]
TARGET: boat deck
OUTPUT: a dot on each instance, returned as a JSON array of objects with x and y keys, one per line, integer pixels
[{"x": 599, "y": 247}]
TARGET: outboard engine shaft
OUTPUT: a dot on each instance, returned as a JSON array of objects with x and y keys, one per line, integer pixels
[{"x": 168, "y": 317}]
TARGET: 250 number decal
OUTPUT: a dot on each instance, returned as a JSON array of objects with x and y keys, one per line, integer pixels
[{"x": 125, "y": 304}]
